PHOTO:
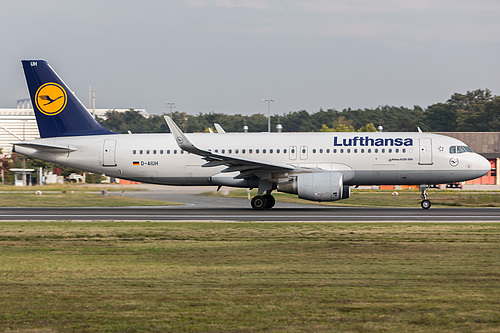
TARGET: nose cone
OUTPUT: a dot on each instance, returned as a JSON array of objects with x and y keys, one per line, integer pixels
[{"x": 483, "y": 166}]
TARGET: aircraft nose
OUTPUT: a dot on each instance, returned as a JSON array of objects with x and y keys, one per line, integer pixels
[{"x": 483, "y": 166}]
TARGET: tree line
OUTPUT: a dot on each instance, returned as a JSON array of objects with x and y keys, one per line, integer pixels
[{"x": 474, "y": 111}]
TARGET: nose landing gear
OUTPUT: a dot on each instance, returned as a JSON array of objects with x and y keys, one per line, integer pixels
[{"x": 426, "y": 204}]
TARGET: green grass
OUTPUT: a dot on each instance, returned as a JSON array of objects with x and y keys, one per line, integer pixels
[
  {"x": 76, "y": 199},
  {"x": 70, "y": 187},
  {"x": 247, "y": 277},
  {"x": 384, "y": 198}
]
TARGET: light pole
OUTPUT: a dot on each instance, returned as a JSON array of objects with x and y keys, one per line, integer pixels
[{"x": 268, "y": 100}]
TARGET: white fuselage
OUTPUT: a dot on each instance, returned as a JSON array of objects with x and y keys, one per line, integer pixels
[{"x": 363, "y": 158}]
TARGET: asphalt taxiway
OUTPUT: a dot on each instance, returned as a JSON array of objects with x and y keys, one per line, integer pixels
[
  {"x": 197, "y": 207},
  {"x": 297, "y": 214}
]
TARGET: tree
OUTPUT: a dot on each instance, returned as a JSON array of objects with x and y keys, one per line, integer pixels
[{"x": 368, "y": 128}]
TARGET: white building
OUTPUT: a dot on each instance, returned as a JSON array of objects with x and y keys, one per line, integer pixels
[{"x": 20, "y": 124}]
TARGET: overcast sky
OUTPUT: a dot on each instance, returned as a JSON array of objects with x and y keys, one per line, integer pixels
[{"x": 227, "y": 55}]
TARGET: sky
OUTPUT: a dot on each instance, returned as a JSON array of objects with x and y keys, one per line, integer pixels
[{"x": 225, "y": 56}]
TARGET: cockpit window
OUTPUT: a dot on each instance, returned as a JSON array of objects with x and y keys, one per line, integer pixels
[{"x": 460, "y": 149}]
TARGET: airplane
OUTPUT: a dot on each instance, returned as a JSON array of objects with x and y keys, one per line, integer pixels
[{"x": 315, "y": 166}]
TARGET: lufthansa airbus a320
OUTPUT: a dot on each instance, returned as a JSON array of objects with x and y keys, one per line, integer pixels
[{"x": 315, "y": 166}]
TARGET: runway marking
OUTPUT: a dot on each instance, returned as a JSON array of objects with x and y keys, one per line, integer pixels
[{"x": 336, "y": 218}]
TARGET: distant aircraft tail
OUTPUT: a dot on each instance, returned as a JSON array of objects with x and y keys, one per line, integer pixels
[{"x": 58, "y": 111}]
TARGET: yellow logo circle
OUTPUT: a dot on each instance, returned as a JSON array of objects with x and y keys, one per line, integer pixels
[{"x": 50, "y": 98}]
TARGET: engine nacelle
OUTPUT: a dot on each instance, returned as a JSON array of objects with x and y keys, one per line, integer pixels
[{"x": 317, "y": 186}]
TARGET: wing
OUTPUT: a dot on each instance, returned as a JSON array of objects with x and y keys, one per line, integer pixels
[{"x": 245, "y": 166}]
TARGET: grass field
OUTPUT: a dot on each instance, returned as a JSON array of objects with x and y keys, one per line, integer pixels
[
  {"x": 384, "y": 198},
  {"x": 247, "y": 277},
  {"x": 76, "y": 199}
]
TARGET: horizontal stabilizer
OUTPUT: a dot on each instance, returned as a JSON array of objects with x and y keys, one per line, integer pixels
[{"x": 45, "y": 147}]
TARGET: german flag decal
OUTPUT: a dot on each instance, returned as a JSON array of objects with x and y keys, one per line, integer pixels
[{"x": 135, "y": 163}]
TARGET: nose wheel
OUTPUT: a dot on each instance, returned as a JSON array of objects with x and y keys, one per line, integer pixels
[{"x": 425, "y": 203}]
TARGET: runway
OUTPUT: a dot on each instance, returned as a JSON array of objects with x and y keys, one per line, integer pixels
[
  {"x": 203, "y": 208},
  {"x": 298, "y": 214}
]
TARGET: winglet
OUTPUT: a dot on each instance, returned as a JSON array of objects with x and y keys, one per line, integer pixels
[
  {"x": 182, "y": 141},
  {"x": 419, "y": 130},
  {"x": 219, "y": 128}
]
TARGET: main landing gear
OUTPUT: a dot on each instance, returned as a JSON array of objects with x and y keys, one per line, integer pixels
[
  {"x": 260, "y": 202},
  {"x": 426, "y": 204}
]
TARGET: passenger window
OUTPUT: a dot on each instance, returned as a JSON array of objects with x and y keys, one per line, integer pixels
[
  {"x": 355, "y": 150},
  {"x": 263, "y": 151},
  {"x": 182, "y": 151},
  {"x": 303, "y": 151},
  {"x": 314, "y": 151},
  {"x": 277, "y": 151},
  {"x": 293, "y": 151},
  {"x": 223, "y": 151},
  {"x": 154, "y": 151},
  {"x": 397, "y": 150},
  {"x": 390, "y": 150},
  {"x": 362, "y": 150},
  {"x": 383, "y": 150},
  {"x": 376, "y": 150},
  {"x": 161, "y": 151},
  {"x": 270, "y": 151},
  {"x": 216, "y": 150},
  {"x": 341, "y": 151},
  {"x": 230, "y": 151},
  {"x": 348, "y": 150},
  {"x": 321, "y": 151},
  {"x": 284, "y": 151},
  {"x": 236, "y": 151},
  {"x": 404, "y": 150},
  {"x": 328, "y": 151},
  {"x": 369, "y": 150},
  {"x": 147, "y": 151},
  {"x": 140, "y": 151},
  {"x": 168, "y": 151},
  {"x": 243, "y": 151},
  {"x": 256, "y": 151},
  {"x": 134, "y": 151},
  {"x": 175, "y": 151},
  {"x": 249, "y": 151},
  {"x": 335, "y": 151}
]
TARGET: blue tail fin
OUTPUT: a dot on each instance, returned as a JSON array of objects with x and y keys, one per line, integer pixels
[{"x": 58, "y": 111}]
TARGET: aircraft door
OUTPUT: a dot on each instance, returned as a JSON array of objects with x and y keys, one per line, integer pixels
[
  {"x": 303, "y": 152},
  {"x": 293, "y": 152},
  {"x": 425, "y": 151},
  {"x": 109, "y": 153}
]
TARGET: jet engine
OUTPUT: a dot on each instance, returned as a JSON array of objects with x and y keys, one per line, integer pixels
[{"x": 317, "y": 186}]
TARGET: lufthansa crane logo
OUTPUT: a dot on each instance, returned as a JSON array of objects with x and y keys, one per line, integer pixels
[{"x": 51, "y": 99}]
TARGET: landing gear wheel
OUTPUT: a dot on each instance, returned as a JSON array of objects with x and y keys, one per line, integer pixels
[
  {"x": 259, "y": 202},
  {"x": 270, "y": 201},
  {"x": 426, "y": 204}
]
